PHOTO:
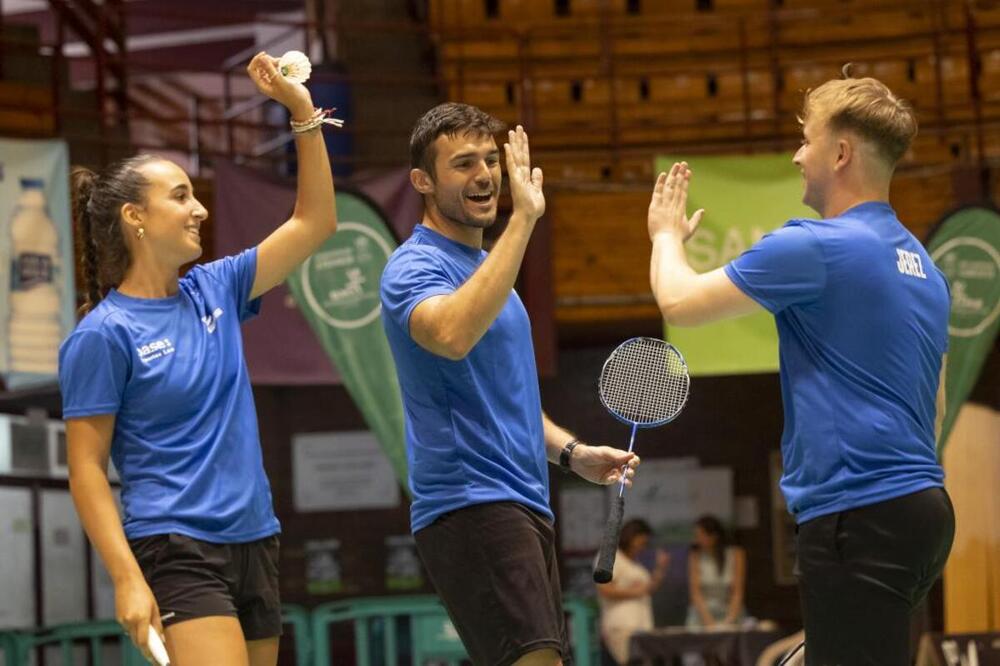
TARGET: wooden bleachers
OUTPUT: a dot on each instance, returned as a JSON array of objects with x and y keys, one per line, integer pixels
[
  {"x": 603, "y": 248},
  {"x": 604, "y": 93},
  {"x": 26, "y": 110}
]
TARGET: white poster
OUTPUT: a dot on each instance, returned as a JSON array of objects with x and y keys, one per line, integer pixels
[
  {"x": 17, "y": 565},
  {"x": 714, "y": 493},
  {"x": 341, "y": 471},
  {"x": 582, "y": 514},
  {"x": 37, "y": 298},
  {"x": 671, "y": 493},
  {"x": 64, "y": 561}
]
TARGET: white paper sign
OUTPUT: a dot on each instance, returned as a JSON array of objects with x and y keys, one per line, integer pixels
[
  {"x": 583, "y": 511},
  {"x": 671, "y": 493},
  {"x": 341, "y": 471}
]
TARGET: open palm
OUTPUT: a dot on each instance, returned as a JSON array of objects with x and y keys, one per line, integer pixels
[
  {"x": 525, "y": 182},
  {"x": 668, "y": 205}
]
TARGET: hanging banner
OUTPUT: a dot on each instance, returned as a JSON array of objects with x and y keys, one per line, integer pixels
[
  {"x": 966, "y": 247},
  {"x": 322, "y": 326},
  {"x": 337, "y": 289},
  {"x": 280, "y": 346},
  {"x": 37, "y": 299},
  {"x": 744, "y": 197}
]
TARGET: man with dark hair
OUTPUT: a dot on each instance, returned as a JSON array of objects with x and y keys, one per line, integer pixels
[{"x": 477, "y": 440}]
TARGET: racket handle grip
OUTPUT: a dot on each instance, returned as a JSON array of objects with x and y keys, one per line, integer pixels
[
  {"x": 157, "y": 649},
  {"x": 609, "y": 544}
]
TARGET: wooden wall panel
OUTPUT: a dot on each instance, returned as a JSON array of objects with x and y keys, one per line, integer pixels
[
  {"x": 600, "y": 251},
  {"x": 972, "y": 464}
]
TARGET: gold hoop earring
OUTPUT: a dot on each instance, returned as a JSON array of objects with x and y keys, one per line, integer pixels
[{"x": 140, "y": 232}]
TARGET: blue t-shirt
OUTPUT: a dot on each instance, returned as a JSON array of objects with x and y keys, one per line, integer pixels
[
  {"x": 474, "y": 426},
  {"x": 862, "y": 318},
  {"x": 172, "y": 371}
]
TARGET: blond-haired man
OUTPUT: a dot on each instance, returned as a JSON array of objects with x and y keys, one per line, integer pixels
[{"x": 862, "y": 318}]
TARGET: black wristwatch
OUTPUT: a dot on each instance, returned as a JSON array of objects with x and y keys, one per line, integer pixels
[{"x": 566, "y": 454}]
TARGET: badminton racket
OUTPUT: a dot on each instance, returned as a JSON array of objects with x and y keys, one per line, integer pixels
[{"x": 644, "y": 383}]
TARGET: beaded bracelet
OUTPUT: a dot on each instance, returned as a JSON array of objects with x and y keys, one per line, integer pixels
[{"x": 319, "y": 117}]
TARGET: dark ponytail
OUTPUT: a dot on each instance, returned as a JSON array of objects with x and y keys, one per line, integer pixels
[
  {"x": 82, "y": 181},
  {"x": 97, "y": 203}
]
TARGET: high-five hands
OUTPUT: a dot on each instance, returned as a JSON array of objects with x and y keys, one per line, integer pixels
[
  {"x": 525, "y": 182},
  {"x": 668, "y": 206}
]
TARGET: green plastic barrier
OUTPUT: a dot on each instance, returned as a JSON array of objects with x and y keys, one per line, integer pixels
[
  {"x": 376, "y": 625},
  {"x": 67, "y": 636},
  {"x": 297, "y": 618},
  {"x": 366, "y": 615},
  {"x": 17, "y": 646},
  {"x": 433, "y": 636}
]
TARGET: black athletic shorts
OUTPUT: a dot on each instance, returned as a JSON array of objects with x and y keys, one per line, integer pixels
[
  {"x": 862, "y": 572},
  {"x": 192, "y": 579},
  {"x": 494, "y": 566}
]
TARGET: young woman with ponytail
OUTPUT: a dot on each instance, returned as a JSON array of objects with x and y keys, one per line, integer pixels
[{"x": 154, "y": 377}]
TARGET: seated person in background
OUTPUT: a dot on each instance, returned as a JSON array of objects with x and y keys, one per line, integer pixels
[
  {"x": 716, "y": 577},
  {"x": 626, "y": 602}
]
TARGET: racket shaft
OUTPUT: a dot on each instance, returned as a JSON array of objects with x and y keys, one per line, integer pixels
[{"x": 609, "y": 544}]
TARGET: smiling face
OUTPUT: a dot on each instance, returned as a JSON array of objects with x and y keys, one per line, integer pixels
[
  {"x": 171, "y": 216},
  {"x": 816, "y": 159},
  {"x": 466, "y": 180}
]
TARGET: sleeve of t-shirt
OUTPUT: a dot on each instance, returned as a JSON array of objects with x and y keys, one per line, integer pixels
[
  {"x": 408, "y": 281},
  {"x": 93, "y": 370},
  {"x": 237, "y": 273},
  {"x": 785, "y": 268}
]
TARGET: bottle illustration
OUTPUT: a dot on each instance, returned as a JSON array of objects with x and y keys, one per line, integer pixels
[{"x": 34, "y": 328}]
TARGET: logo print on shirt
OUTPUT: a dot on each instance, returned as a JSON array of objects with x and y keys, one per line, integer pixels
[
  {"x": 909, "y": 264},
  {"x": 155, "y": 349},
  {"x": 210, "y": 320}
]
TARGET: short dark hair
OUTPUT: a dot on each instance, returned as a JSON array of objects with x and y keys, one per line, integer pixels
[
  {"x": 452, "y": 119},
  {"x": 632, "y": 529}
]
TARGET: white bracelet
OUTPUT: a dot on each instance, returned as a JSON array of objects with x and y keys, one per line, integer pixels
[{"x": 319, "y": 117}]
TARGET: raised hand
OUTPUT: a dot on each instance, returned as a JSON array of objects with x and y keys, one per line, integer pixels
[
  {"x": 295, "y": 97},
  {"x": 668, "y": 206},
  {"x": 525, "y": 182}
]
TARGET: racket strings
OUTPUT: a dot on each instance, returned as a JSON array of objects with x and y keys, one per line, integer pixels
[{"x": 645, "y": 381}]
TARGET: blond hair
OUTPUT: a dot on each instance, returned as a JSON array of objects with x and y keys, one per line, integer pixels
[{"x": 868, "y": 108}]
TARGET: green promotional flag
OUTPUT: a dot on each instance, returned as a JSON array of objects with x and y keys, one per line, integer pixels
[
  {"x": 744, "y": 198},
  {"x": 337, "y": 289},
  {"x": 966, "y": 247}
]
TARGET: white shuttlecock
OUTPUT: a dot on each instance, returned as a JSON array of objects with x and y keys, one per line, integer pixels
[{"x": 295, "y": 66}]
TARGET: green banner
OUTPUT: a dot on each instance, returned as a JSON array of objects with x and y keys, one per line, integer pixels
[
  {"x": 966, "y": 247},
  {"x": 744, "y": 197},
  {"x": 337, "y": 289}
]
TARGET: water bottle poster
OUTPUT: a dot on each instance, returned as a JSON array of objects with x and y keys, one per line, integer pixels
[{"x": 37, "y": 297}]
